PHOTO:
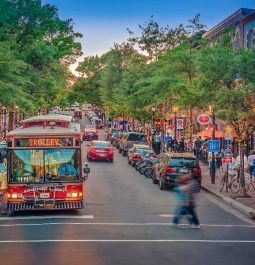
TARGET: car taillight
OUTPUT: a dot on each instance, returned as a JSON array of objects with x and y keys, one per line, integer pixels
[
  {"x": 136, "y": 156},
  {"x": 110, "y": 149},
  {"x": 169, "y": 170},
  {"x": 196, "y": 170}
]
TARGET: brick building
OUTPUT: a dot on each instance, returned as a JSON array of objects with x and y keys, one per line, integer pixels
[{"x": 242, "y": 24}]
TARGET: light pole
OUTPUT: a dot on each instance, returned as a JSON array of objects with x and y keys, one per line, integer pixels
[
  {"x": 213, "y": 138},
  {"x": 3, "y": 120},
  {"x": 16, "y": 108},
  {"x": 152, "y": 118},
  {"x": 175, "y": 109}
]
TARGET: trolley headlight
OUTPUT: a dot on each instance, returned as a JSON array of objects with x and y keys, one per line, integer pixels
[{"x": 15, "y": 195}]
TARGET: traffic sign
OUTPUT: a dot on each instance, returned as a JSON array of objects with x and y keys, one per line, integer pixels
[
  {"x": 214, "y": 146},
  {"x": 228, "y": 148},
  {"x": 122, "y": 122},
  {"x": 227, "y": 160}
]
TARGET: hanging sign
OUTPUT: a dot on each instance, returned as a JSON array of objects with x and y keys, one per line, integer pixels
[
  {"x": 204, "y": 119},
  {"x": 179, "y": 123}
]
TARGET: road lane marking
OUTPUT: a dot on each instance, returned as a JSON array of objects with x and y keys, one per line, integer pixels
[
  {"x": 47, "y": 217},
  {"x": 126, "y": 241},
  {"x": 166, "y": 215},
  {"x": 122, "y": 224}
]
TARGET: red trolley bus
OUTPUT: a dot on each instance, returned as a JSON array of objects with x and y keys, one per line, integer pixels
[{"x": 44, "y": 165}]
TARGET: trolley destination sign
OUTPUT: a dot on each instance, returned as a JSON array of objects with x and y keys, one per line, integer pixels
[{"x": 43, "y": 142}]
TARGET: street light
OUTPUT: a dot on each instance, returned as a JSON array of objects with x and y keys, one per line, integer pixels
[
  {"x": 4, "y": 121},
  {"x": 175, "y": 109},
  {"x": 16, "y": 108},
  {"x": 152, "y": 118},
  {"x": 213, "y": 169}
]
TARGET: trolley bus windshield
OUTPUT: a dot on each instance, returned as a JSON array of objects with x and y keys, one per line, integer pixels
[{"x": 44, "y": 165}]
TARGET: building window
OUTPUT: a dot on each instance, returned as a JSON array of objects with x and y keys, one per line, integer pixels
[
  {"x": 236, "y": 39},
  {"x": 251, "y": 38}
]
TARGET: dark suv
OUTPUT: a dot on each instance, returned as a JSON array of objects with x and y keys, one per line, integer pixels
[
  {"x": 173, "y": 165},
  {"x": 129, "y": 139}
]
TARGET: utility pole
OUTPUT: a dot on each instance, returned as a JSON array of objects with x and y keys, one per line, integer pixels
[{"x": 213, "y": 154}]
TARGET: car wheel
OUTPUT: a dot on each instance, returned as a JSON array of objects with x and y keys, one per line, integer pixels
[
  {"x": 123, "y": 152},
  {"x": 162, "y": 186},
  {"x": 148, "y": 172},
  {"x": 88, "y": 158},
  {"x": 120, "y": 151},
  {"x": 111, "y": 160},
  {"x": 129, "y": 162}
]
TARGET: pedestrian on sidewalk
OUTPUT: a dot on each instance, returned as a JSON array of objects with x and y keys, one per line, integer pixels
[
  {"x": 251, "y": 164},
  {"x": 197, "y": 147}
]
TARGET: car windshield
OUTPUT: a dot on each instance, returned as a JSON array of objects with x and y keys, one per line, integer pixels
[
  {"x": 90, "y": 132},
  {"x": 143, "y": 151},
  {"x": 183, "y": 162},
  {"x": 136, "y": 137},
  {"x": 44, "y": 165},
  {"x": 101, "y": 144},
  {"x": 89, "y": 126},
  {"x": 114, "y": 131}
]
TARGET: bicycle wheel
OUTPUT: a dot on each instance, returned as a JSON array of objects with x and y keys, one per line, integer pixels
[
  {"x": 235, "y": 186},
  {"x": 222, "y": 183}
]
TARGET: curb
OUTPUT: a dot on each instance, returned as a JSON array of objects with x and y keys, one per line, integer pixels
[{"x": 248, "y": 211}]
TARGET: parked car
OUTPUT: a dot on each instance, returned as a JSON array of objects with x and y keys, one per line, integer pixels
[
  {"x": 114, "y": 138},
  {"x": 110, "y": 132},
  {"x": 173, "y": 165},
  {"x": 100, "y": 150},
  {"x": 136, "y": 153},
  {"x": 131, "y": 138}
]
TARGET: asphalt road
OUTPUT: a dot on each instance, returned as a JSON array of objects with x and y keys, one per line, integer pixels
[{"x": 126, "y": 221}]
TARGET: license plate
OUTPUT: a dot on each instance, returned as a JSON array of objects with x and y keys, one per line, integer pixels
[
  {"x": 44, "y": 196},
  {"x": 184, "y": 170},
  {"x": 101, "y": 155}
]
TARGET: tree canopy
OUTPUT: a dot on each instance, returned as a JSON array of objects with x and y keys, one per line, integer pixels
[{"x": 36, "y": 48}]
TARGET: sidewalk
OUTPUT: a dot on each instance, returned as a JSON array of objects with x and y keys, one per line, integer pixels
[{"x": 244, "y": 205}]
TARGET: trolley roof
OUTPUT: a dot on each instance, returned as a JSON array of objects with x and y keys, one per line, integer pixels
[
  {"x": 52, "y": 117},
  {"x": 73, "y": 128}
]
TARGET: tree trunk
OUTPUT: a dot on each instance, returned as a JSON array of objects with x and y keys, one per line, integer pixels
[{"x": 242, "y": 192}]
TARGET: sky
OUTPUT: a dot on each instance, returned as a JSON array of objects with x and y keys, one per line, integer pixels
[{"x": 103, "y": 22}]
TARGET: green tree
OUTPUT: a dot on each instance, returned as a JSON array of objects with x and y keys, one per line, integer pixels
[
  {"x": 233, "y": 99},
  {"x": 40, "y": 47}
]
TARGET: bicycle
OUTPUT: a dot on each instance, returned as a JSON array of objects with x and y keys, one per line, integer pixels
[
  {"x": 233, "y": 185},
  {"x": 250, "y": 184}
]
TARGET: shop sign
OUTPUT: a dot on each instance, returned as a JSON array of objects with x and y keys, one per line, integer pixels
[
  {"x": 203, "y": 119},
  {"x": 179, "y": 123}
]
